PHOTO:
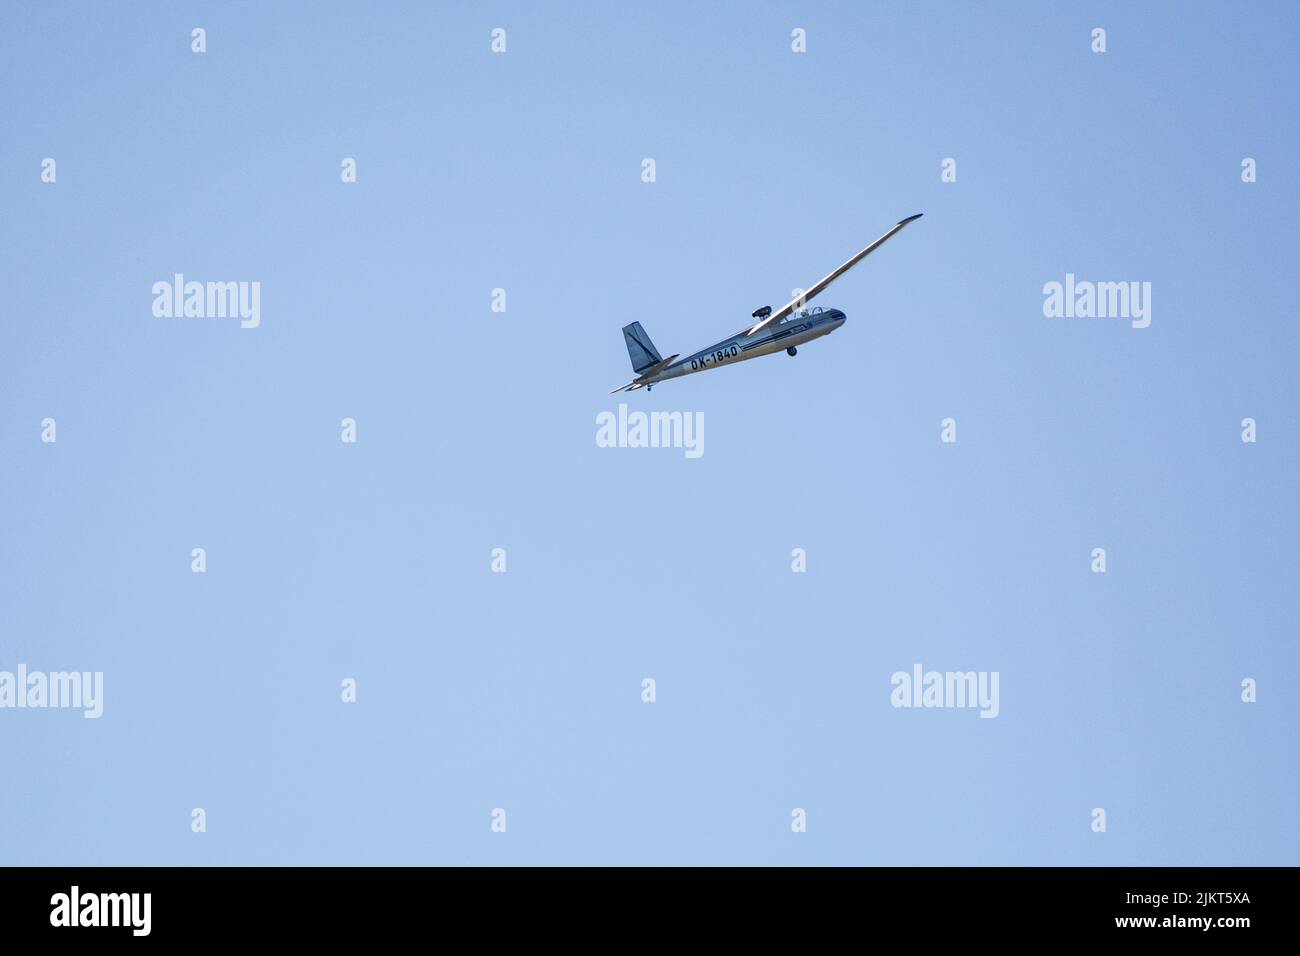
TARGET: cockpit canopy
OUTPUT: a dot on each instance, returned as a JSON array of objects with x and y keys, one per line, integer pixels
[{"x": 802, "y": 314}]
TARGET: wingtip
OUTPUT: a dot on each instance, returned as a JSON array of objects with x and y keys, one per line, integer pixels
[{"x": 903, "y": 222}]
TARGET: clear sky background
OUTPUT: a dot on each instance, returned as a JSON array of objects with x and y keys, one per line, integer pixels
[{"x": 476, "y": 430}]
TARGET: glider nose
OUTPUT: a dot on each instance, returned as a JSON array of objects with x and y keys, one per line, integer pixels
[{"x": 838, "y": 317}]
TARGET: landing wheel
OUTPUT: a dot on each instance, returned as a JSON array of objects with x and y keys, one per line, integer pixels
[
  {"x": 649, "y": 387},
  {"x": 792, "y": 351}
]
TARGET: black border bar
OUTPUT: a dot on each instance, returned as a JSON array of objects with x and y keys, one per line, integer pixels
[{"x": 215, "y": 904}]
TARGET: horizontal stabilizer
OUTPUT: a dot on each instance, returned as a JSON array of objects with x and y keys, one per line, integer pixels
[{"x": 661, "y": 365}]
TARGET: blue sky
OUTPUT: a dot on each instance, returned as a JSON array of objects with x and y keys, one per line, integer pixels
[{"x": 476, "y": 431}]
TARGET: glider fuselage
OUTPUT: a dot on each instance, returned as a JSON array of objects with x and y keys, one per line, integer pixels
[{"x": 794, "y": 330}]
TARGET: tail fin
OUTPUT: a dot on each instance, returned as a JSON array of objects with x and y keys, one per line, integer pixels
[{"x": 640, "y": 349}]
